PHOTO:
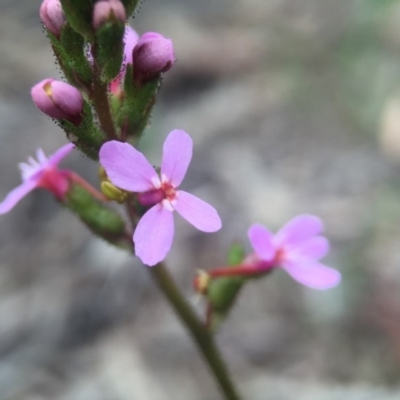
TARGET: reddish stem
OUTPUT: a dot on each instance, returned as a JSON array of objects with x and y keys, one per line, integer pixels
[
  {"x": 241, "y": 270},
  {"x": 87, "y": 186}
]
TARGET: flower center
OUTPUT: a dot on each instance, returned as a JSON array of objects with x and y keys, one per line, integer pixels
[{"x": 169, "y": 191}]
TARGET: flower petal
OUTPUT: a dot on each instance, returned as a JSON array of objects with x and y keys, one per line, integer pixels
[
  {"x": 177, "y": 153},
  {"x": 261, "y": 240},
  {"x": 196, "y": 211},
  {"x": 153, "y": 235},
  {"x": 313, "y": 274},
  {"x": 299, "y": 229},
  {"x": 314, "y": 248},
  {"x": 40, "y": 156},
  {"x": 127, "y": 168},
  {"x": 62, "y": 152},
  {"x": 16, "y": 195},
  {"x": 130, "y": 39}
]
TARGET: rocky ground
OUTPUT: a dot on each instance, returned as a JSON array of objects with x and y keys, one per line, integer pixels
[{"x": 294, "y": 108}]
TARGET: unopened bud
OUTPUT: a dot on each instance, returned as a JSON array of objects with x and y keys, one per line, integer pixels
[
  {"x": 201, "y": 282},
  {"x": 52, "y": 16},
  {"x": 58, "y": 100},
  {"x": 152, "y": 55},
  {"x": 108, "y": 11},
  {"x": 113, "y": 193}
]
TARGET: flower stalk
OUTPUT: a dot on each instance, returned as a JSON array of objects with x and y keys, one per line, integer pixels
[
  {"x": 197, "y": 329},
  {"x": 101, "y": 104}
]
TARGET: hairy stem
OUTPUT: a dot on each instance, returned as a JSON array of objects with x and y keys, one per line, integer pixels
[
  {"x": 100, "y": 101},
  {"x": 199, "y": 332}
]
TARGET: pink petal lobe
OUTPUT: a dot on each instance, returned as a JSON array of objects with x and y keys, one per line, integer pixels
[
  {"x": 261, "y": 240},
  {"x": 153, "y": 235},
  {"x": 61, "y": 153},
  {"x": 197, "y": 212},
  {"x": 16, "y": 195},
  {"x": 130, "y": 39},
  {"x": 177, "y": 153},
  {"x": 299, "y": 229},
  {"x": 127, "y": 168},
  {"x": 313, "y": 274},
  {"x": 314, "y": 248}
]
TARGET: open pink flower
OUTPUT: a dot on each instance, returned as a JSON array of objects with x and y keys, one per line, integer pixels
[
  {"x": 128, "y": 169},
  {"x": 40, "y": 173},
  {"x": 297, "y": 248}
]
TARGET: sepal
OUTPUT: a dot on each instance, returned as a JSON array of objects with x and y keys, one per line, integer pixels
[
  {"x": 136, "y": 105},
  {"x": 88, "y": 137},
  {"x": 69, "y": 50},
  {"x": 109, "y": 46},
  {"x": 79, "y": 16},
  {"x": 100, "y": 219}
]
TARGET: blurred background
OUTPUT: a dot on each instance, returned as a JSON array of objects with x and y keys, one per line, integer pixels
[{"x": 294, "y": 107}]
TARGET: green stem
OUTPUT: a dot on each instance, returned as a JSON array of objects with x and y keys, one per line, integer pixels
[
  {"x": 199, "y": 332},
  {"x": 102, "y": 106},
  {"x": 100, "y": 101}
]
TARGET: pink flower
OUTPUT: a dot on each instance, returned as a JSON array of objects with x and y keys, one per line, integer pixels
[
  {"x": 40, "y": 173},
  {"x": 128, "y": 169},
  {"x": 296, "y": 247}
]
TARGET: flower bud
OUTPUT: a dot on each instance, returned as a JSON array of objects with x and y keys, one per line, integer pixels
[
  {"x": 52, "y": 16},
  {"x": 108, "y": 11},
  {"x": 152, "y": 55},
  {"x": 58, "y": 100},
  {"x": 113, "y": 193},
  {"x": 201, "y": 282}
]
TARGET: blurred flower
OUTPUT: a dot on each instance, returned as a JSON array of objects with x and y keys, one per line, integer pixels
[
  {"x": 58, "y": 100},
  {"x": 130, "y": 40},
  {"x": 128, "y": 169},
  {"x": 153, "y": 55},
  {"x": 296, "y": 248},
  {"x": 40, "y": 173},
  {"x": 52, "y": 16},
  {"x": 131, "y": 37}
]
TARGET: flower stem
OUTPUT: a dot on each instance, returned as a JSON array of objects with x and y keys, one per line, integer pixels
[
  {"x": 100, "y": 101},
  {"x": 102, "y": 106},
  {"x": 199, "y": 332}
]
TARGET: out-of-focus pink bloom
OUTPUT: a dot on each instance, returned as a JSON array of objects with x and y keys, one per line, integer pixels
[
  {"x": 128, "y": 169},
  {"x": 130, "y": 40},
  {"x": 153, "y": 55},
  {"x": 296, "y": 248},
  {"x": 58, "y": 100},
  {"x": 108, "y": 11},
  {"x": 131, "y": 37},
  {"x": 52, "y": 16},
  {"x": 40, "y": 173}
]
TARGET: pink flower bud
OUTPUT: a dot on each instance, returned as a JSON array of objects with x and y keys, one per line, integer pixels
[
  {"x": 58, "y": 100},
  {"x": 152, "y": 55},
  {"x": 52, "y": 16},
  {"x": 108, "y": 11}
]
